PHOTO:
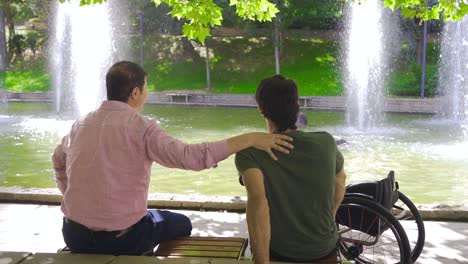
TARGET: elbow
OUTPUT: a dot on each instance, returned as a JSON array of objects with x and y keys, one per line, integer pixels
[
  {"x": 61, "y": 186},
  {"x": 197, "y": 161},
  {"x": 195, "y": 167},
  {"x": 193, "y": 164}
]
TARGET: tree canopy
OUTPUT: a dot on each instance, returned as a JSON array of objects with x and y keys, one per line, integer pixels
[{"x": 200, "y": 16}]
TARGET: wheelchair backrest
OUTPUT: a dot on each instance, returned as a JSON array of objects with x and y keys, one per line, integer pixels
[{"x": 384, "y": 191}]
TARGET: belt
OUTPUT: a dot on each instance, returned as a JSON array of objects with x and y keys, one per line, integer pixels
[{"x": 116, "y": 233}]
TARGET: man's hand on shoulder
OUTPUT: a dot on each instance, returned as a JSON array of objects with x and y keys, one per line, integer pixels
[
  {"x": 262, "y": 141},
  {"x": 268, "y": 142}
]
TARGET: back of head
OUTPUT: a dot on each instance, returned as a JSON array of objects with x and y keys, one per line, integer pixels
[
  {"x": 278, "y": 101},
  {"x": 121, "y": 78}
]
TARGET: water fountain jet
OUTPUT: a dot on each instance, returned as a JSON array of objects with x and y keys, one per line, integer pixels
[
  {"x": 371, "y": 40},
  {"x": 453, "y": 72},
  {"x": 83, "y": 48}
]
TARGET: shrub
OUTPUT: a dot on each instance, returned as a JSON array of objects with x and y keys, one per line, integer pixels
[
  {"x": 33, "y": 40},
  {"x": 407, "y": 81},
  {"x": 17, "y": 44}
]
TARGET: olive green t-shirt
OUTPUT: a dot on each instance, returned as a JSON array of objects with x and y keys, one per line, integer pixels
[{"x": 300, "y": 192}]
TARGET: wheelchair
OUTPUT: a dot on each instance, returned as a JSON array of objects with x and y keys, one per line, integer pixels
[{"x": 373, "y": 222}]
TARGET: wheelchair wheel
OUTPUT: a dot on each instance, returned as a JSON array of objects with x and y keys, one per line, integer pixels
[
  {"x": 368, "y": 233},
  {"x": 406, "y": 212}
]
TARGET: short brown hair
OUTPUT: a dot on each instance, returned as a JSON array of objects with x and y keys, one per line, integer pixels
[{"x": 121, "y": 78}]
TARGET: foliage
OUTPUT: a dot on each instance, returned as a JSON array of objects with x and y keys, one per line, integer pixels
[
  {"x": 200, "y": 16},
  {"x": 39, "y": 8},
  {"x": 17, "y": 43},
  {"x": 243, "y": 62},
  {"x": 14, "y": 10},
  {"x": 88, "y": 2},
  {"x": 450, "y": 10},
  {"x": 35, "y": 79},
  {"x": 155, "y": 19},
  {"x": 311, "y": 14},
  {"x": 407, "y": 81},
  {"x": 33, "y": 40}
]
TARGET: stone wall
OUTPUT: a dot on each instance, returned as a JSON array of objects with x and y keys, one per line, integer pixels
[
  {"x": 204, "y": 202},
  {"x": 334, "y": 103},
  {"x": 27, "y": 97}
]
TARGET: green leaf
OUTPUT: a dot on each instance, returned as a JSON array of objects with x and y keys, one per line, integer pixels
[
  {"x": 260, "y": 10},
  {"x": 408, "y": 13},
  {"x": 156, "y": 2},
  {"x": 390, "y": 4}
]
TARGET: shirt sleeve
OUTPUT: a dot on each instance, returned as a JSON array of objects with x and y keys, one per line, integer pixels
[
  {"x": 244, "y": 161},
  {"x": 59, "y": 163},
  {"x": 171, "y": 152},
  {"x": 339, "y": 160}
]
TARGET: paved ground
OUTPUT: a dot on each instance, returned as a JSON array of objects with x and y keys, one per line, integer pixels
[{"x": 37, "y": 228}]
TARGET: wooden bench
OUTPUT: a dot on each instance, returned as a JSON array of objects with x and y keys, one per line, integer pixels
[
  {"x": 227, "y": 249},
  {"x": 12, "y": 257},
  {"x": 336, "y": 258},
  {"x": 208, "y": 247},
  {"x": 49, "y": 258},
  {"x": 215, "y": 247}
]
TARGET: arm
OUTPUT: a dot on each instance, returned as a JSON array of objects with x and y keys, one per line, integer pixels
[
  {"x": 258, "y": 215},
  {"x": 59, "y": 162},
  {"x": 340, "y": 180},
  {"x": 171, "y": 152}
]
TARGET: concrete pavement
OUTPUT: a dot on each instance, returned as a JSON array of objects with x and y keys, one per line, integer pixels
[{"x": 37, "y": 228}]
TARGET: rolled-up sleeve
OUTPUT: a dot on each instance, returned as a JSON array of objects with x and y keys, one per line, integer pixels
[
  {"x": 339, "y": 160},
  {"x": 171, "y": 152},
  {"x": 59, "y": 162}
]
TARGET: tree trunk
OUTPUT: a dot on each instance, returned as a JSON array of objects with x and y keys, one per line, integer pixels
[
  {"x": 3, "y": 44},
  {"x": 9, "y": 17},
  {"x": 419, "y": 51},
  {"x": 276, "y": 25},
  {"x": 207, "y": 61}
]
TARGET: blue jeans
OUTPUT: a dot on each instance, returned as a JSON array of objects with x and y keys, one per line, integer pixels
[{"x": 140, "y": 239}]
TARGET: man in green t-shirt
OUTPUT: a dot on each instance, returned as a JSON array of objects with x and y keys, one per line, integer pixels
[{"x": 292, "y": 202}]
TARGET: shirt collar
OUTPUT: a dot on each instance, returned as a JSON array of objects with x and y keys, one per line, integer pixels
[{"x": 115, "y": 105}]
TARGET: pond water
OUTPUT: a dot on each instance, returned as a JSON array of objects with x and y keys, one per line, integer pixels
[{"x": 429, "y": 156}]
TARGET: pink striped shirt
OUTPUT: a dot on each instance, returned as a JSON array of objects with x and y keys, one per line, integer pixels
[{"x": 103, "y": 166}]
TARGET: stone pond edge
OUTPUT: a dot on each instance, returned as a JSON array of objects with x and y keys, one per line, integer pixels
[{"x": 52, "y": 196}]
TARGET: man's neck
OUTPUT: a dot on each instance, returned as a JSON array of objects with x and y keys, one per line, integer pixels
[{"x": 272, "y": 128}]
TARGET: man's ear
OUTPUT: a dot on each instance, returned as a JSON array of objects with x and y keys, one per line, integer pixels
[
  {"x": 134, "y": 91},
  {"x": 133, "y": 94},
  {"x": 260, "y": 110}
]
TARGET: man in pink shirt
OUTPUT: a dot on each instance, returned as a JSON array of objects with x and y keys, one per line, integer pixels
[{"x": 103, "y": 169}]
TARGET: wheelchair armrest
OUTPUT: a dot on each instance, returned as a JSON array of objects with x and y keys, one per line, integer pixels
[{"x": 360, "y": 195}]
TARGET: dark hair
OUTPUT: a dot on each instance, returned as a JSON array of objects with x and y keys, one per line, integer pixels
[
  {"x": 278, "y": 100},
  {"x": 121, "y": 78}
]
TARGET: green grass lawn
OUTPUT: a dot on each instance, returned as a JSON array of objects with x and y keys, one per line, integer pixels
[
  {"x": 34, "y": 79},
  {"x": 238, "y": 65}
]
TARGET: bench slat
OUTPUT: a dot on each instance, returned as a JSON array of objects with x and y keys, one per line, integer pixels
[
  {"x": 12, "y": 257},
  {"x": 200, "y": 247},
  {"x": 46, "y": 258},
  {"x": 216, "y": 247},
  {"x": 198, "y": 253},
  {"x": 238, "y": 239},
  {"x": 202, "y": 242}
]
